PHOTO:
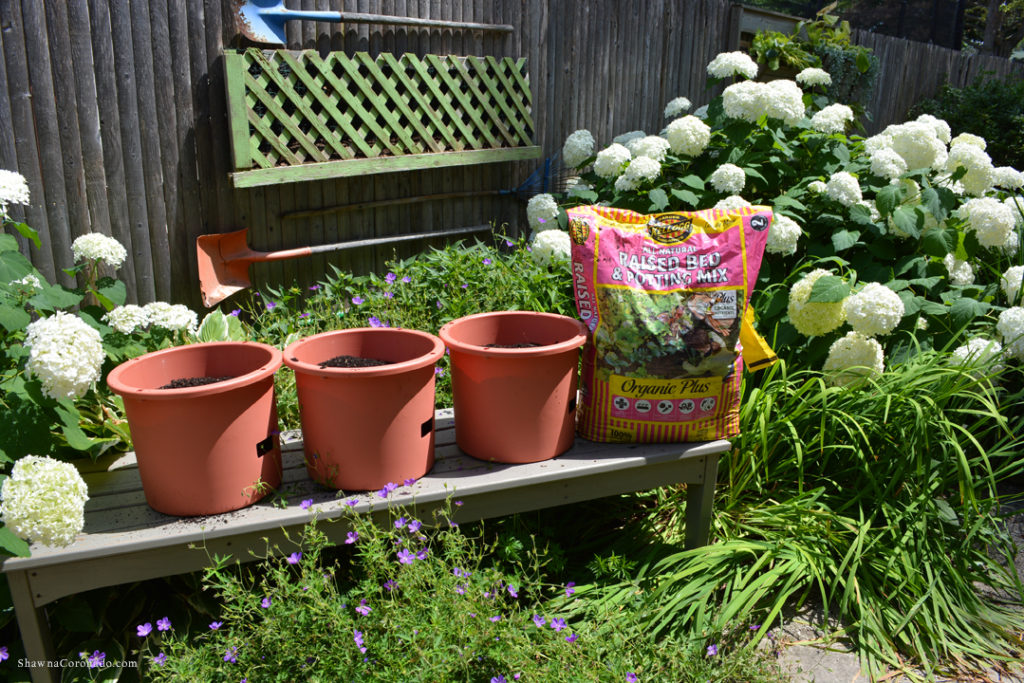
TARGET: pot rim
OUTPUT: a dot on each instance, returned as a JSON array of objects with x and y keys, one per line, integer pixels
[
  {"x": 118, "y": 386},
  {"x": 573, "y": 343},
  {"x": 429, "y": 358}
]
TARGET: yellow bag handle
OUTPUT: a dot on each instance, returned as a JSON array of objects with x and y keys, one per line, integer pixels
[{"x": 757, "y": 355}]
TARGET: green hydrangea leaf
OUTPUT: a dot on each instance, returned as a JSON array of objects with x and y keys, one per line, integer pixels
[
  {"x": 965, "y": 309},
  {"x": 659, "y": 200},
  {"x": 888, "y": 198},
  {"x": 13, "y": 545},
  {"x": 829, "y": 289},
  {"x": 939, "y": 241},
  {"x": 844, "y": 239}
]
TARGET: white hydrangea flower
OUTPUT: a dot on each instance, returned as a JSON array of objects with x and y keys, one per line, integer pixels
[
  {"x": 550, "y": 246},
  {"x": 854, "y": 358},
  {"x": 627, "y": 137},
  {"x": 812, "y": 76},
  {"x": 540, "y": 209},
  {"x": 844, "y": 188},
  {"x": 877, "y": 142},
  {"x": 832, "y": 119},
  {"x": 728, "y": 64},
  {"x": 677, "y": 107},
  {"x": 65, "y": 354},
  {"x": 29, "y": 284},
  {"x": 869, "y": 204},
  {"x": 1011, "y": 329},
  {"x": 651, "y": 146},
  {"x": 960, "y": 272},
  {"x": 918, "y": 144},
  {"x": 942, "y": 130},
  {"x": 1012, "y": 244},
  {"x": 575, "y": 187},
  {"x": 813, "y": 319},
  {"x": 13, "y": 190},
  {"x": 979, "y": 351},
  {"x": 98, "y": 247},
  {"x": 611, "y": 160},
  {"x": 43, "y": 501},
  {"x": 128, "y": 318},
  {"x": 638, "y": 171},
  {"x": 688, "y": 135},
  {"x": 886, "y": 163},
  {"x": 875, "y": 310},
  {"x": 783, "y": 235},
  {"x": 578, "y": 148},
  {"x": 990, "y": 219},
  {"x": 731, "y": 203},
  {"x": 817, "y": 187},
  {"x": 785, "y": 100},
  {"x": 978, "y": 179},
  {"x": 728, "y": 179},
  {"x": 174, "y": 317},
  {"x": 969, "y": 139},
  {"x": 1007, "y": 177},
  {"x": 744, "y": 100},
  {"x": 1010, "y": 283}
]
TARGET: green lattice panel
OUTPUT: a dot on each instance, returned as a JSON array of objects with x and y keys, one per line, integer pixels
[{"x": 299, "y": 116}]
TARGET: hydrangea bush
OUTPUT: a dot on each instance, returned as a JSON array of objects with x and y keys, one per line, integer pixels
[
  {"x": 56, "y": 346},
  {"x": 909, "y": 237}
]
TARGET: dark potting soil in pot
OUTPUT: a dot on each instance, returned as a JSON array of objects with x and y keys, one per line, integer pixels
[
  {"x": 353, "y": 362},
  {"x": 523, "y": 345},
  {"x": 186, "y": 382}
]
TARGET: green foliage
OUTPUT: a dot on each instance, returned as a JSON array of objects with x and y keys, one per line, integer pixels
[
  {"x": 415, "y": 603},
  {"x": 990, "y": 107},
  {"x": 879, "y": 503}
]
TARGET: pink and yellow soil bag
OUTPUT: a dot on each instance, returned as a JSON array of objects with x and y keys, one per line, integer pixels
[{"x": 665, "y": 297}]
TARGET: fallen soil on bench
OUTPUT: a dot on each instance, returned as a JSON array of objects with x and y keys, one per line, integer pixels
[
  {"x": 186, "y": 382},
  {"x": 353, "y": 362}
]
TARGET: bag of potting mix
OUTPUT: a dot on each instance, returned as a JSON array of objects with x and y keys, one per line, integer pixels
[{"x": 665, "y": 297}]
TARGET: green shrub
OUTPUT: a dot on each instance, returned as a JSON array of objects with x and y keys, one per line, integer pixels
[{"x": 990, "y": 107}]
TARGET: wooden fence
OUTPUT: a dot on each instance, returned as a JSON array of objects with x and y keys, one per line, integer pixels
[{"x": 115, "y": 112}]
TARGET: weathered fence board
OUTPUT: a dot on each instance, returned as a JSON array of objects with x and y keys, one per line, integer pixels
[{"x": 116, "y": 114}]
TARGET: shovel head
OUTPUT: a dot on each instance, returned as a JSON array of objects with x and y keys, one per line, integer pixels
[
  {"x": 224, "y": 265},
  {"x": 261, "y": 21}
]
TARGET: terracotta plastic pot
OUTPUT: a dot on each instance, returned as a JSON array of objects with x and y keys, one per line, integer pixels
[
  {"x": 363, "y": 427},
  {"x": 514, "y": 405},
  {"x": 206, "y": 449}
]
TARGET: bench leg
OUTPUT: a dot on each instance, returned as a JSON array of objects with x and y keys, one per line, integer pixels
[
  {"x": 35, "y": 631},
  {"x": 699, "y": 500}
]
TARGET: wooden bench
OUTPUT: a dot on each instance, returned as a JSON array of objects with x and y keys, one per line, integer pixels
[{"x": 124, "y": 540}]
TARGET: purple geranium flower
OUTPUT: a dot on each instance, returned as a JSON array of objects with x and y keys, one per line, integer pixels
[
  {"x": 383, "y": 493},
  {"x": 358, "y": 637},
  {"x": 313, "y": 288},
  {"x": 390, "y": 277},
  {"x": 391, "y": 486},
  {"x": 306, "y": 503},
  {"x": 496, "y": 618},
  {"x": 498, "y": 679},
  {"x": 235, "y": 312},
  {"x": 712, "y": 650},
  {"x": 400, "y": 523},
  {"x": 351, "y": 537},
  {"x": 406, "y": 557},
  {"x": 389, "y": 585},
  {"x": 265, "y": 603},
  {"x": 214, "y": 625},
  {"x": 539, "y": 621},
  {"x": 375, "y": 322},
  {"x": 513, "y": 592},
  {"x": 631, "y": 677},
  {"x": 294, "y": 558},
  {"x": 358, "y": 300},
  {"x": 96, "y": 659},
  {"x": 558, "y": 624},
  {"x": 363, "y": 608},
  {"x": 414, "y": 526},
  {"x": 230, "y": 655},
  {"x": 160, "y": 659},
  {"x": 409, "y": 482},
  {"x": 144, "y": 630},
  {"x": 487, "y": 261},
  {"x": 422, "y": 554},
  {"x": 3, "y": 653},
  {"x": 571, "y": 638},
  {"x": 352, "y": 502},
  {"x": 163, "y": 624},
  {"x": 304, "y": 315},
  {"x": 406, "y": 279},
  {"x": 271, "y": 305},
  {"x": 569, "y": 588},
  {"x": 460, "y": 589}
]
